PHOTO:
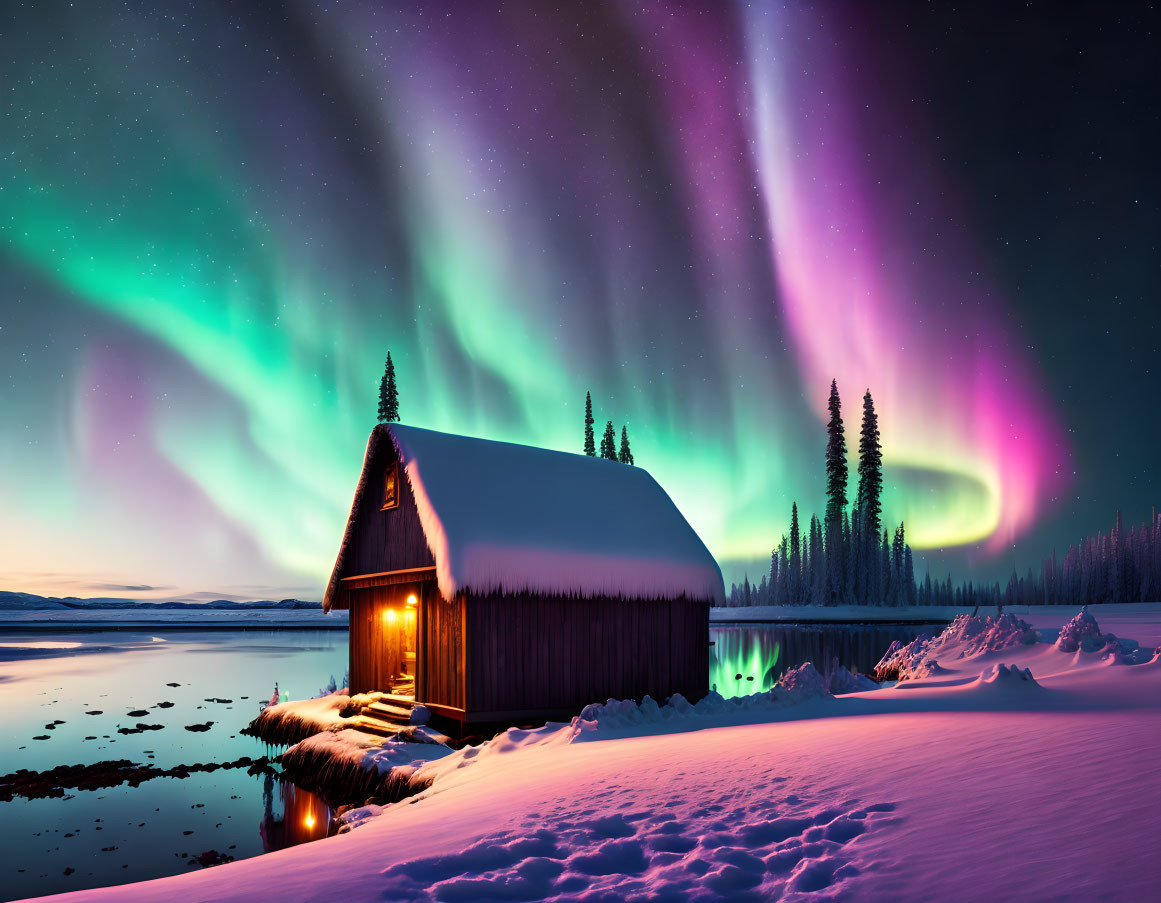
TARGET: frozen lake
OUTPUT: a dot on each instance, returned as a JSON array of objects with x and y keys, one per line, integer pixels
[{"x": 87, "y": 691}]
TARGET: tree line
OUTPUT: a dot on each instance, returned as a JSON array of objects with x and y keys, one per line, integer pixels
[
  {"x": 1123, "y": 565},
  {"x": 847, "y": 557},
  {"x": 844, "y": 559},
  {"x": 609, "y": 448}
]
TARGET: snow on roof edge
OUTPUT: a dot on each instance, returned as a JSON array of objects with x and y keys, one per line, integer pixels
[
  {"x": 484, "y": 567},
  {"x": 433, "y": 528}
]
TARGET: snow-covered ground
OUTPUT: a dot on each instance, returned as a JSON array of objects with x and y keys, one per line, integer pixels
[{"x": 980, "y": 781}]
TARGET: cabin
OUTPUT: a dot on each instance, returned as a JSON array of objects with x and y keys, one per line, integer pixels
[{"x": 500, "y": 584}]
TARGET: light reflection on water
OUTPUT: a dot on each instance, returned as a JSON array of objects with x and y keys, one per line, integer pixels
[
  {"x": 749, "y": 658},
  {"x": 300, "y": 818}
]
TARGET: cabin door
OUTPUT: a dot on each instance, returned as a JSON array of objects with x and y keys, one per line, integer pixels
[
  {"x": 395, "y": 616},
  {"x": 383, "y": 638}
]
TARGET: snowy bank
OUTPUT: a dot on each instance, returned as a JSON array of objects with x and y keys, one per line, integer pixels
[
  {"x": 934, "y": 790},
  {"x": 350, "y": 765},
  {"x": 289, "y": 722},
  {"x": 344, "y": 764},
  {"x": 969, "y": 638}
]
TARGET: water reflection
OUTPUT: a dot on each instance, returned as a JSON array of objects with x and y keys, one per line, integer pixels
[
  {"x": 304, "y": 817},
  {"x": 750, "y": 658}
]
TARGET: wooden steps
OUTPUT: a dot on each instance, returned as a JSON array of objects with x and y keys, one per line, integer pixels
[{"x": 386, "y": 716}]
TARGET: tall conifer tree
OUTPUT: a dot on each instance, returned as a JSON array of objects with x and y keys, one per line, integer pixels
[
  {"x": 795, "y": 575},
  {"x": 836, "y": 464},
  {"x": 609, "y": 442},
  {"x": 388, "y": 394},
  {"x": 870, "y": 470},
  {"x": 625, "y": 455},
  {"x": 590, "y": 440},
  {"x": 836, "y": 497}
]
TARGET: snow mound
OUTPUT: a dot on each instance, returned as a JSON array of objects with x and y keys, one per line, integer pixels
[
  {"x": 840, "y": 680},
  {"x": 966, "y": 636},
  {"x": 1007, "y": 678},
  {"x": 927, "y": 668},
  {"x": 1082, "y": 634},
  {"x": 349, "y": 819},
  {"x": 370, "y": 753},
  {"x": 620, "y": 718},
  {"x": 289, "y": 722},
  {"x": 597, "y": 720}
]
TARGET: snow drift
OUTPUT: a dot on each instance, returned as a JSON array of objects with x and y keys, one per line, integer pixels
[
  {"x": 969, "y": 637},
  {"x": 1082, "y": 634},
  {"x": 966, "y": 636}
]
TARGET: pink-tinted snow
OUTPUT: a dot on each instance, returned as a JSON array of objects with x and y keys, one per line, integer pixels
[{"x": 1021, "y": 773}]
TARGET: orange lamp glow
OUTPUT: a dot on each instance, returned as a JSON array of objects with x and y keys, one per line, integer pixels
[
  {"x": 310, "y": 819},
  {"x": 389, "y": 616},
  {"x": 411, "y": 600}
]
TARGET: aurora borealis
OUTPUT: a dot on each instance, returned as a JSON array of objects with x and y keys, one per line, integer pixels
[{"x": 215, "y": 220}]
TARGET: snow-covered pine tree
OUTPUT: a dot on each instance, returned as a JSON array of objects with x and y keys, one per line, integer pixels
[
  {"x": 609, "y": 442},
  {"x": 590, "y": 440},
  {"x": 625, "y": 455}
]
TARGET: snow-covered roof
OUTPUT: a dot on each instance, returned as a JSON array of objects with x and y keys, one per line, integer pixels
[{"x": 502, "y": 516}]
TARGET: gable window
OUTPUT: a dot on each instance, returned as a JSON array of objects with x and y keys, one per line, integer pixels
[{"x": 391, "y": 488}]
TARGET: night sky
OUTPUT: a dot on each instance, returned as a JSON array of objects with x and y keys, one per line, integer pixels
[{"x": 216, "y": 218}]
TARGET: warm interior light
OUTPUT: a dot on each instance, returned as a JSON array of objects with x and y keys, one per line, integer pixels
[
  {"x": 389, "y": 616},
  {"x": 310, "y": 820},
  {"x": 411, "y": 600}
]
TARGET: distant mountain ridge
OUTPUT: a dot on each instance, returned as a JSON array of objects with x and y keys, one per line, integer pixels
[{"x": 10, "y": 601}]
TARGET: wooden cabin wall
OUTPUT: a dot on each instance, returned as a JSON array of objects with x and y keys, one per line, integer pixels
[
  {"x": 390, "y": 540},
  {"x": 361, "y": 638},
  {"x": 441, "y": 650},
  {"x": 536, "y": 654}
]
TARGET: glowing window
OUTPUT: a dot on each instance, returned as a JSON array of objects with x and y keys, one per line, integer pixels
[{"x": 391, "y": 488}]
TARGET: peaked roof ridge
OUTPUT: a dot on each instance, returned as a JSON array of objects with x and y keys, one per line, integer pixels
[{"x": 504, "y": 515}]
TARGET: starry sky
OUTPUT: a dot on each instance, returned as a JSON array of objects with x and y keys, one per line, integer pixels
[{"x": 216, "y": 218}]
